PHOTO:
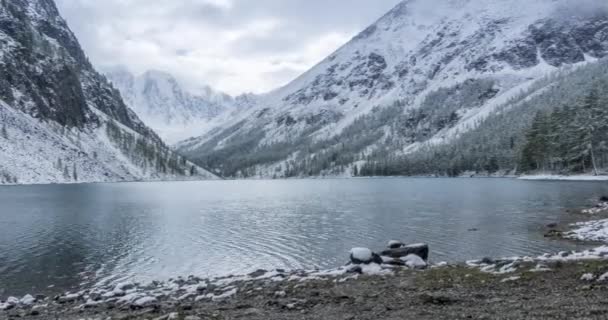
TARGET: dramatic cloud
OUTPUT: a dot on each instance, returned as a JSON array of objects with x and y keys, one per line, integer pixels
[{"x": 233, "y": 45}]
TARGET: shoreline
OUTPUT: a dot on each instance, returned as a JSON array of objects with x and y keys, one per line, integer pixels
[
  {"x": 541, "y": 177},
  {"x": 328, "y": 294}
]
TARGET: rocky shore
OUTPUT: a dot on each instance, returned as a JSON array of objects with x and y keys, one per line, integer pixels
[{"x": 396, "y": 283}]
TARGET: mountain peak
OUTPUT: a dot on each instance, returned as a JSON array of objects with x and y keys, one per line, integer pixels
[
  {"x": 470, "y": 55},
  {"x": 172, "y": 110}
]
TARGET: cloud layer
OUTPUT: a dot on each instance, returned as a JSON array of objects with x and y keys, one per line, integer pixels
[{"x": 233, "y": 45}]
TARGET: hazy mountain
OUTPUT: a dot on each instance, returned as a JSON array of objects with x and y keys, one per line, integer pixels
[
  {"x": 421, "y": 76},
  {"x": 61, "y": 120},
  {"x": 174, "y": 112}
]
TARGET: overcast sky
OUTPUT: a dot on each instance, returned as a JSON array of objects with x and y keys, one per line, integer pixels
[{"x": 233, "y": 45}]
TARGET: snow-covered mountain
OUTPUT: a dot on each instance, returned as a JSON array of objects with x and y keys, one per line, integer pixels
[
  {"x": 61, "y": 121},
  {"x": 167, "y": 107},
  {"x": 422, "y": 75}
]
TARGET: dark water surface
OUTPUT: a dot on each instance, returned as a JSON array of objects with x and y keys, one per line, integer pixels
[{"x": 53, "y": 238}]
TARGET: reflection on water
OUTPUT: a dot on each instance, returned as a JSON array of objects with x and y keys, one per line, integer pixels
[{"x": 66, "y": 236}]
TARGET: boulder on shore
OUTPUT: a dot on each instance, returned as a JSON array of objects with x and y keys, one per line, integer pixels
[
  {"x": 364, "y": 256},
  {"x": 421, "y": 250},
  {"x": 395, "y": 244}
]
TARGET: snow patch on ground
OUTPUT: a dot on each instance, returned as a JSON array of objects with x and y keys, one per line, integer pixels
[
  {"x": 564, "y": 178},
  {"x": 589, "y": 231}
]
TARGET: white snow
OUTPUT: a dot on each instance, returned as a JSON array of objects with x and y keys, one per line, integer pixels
[
  {"x": 394, "y": 243},
  {"x": 540, "y": 268},
  {"x": 600, "y": 207},
  {"x": 414, "y": 261},
  {"x": 401, "y": 36},
  {"x": 510, "y": 279},
  {"x": 588, "y": 277},
  {"x": 144, "y": 301},
  {"x": 27, "y": 300},
  {"x": 12, "y": 301},
  {"x": 603, "y": 277},
  {"x": 34, "y": 149},
  {"x": 173, "y": 111},
  {"x": 564, "y": 178},
  {"x": 590, "y": 231},
  {"x": 361, "y": 254}
]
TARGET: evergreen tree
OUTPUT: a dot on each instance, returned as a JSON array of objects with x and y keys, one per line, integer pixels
[
  {"x": 4, "y": 132},
  {"x": 66, "y": 173},
  {"x": 75, "y": 173}
]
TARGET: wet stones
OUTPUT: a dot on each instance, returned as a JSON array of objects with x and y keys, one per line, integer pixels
[
  {"x": 395, "y": 244},
  {"x": 413, "y": 256},
  {"x": 258, "y": 273},
  {"x": 420, "y": 249}
]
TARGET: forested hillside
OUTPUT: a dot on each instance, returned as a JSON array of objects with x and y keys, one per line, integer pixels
[
  {"x": 448, "y": 91},
  {"x": 559, "y": 125}
]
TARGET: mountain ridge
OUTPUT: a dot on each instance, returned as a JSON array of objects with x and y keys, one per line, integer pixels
[
  {"x": 173, "y": 111},
  {"x": 61, "y": 120},
  {"x": 417, "y": 58}
]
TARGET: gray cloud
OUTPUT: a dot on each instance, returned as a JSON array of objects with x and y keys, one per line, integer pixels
[{"x": 233, "y": 45}]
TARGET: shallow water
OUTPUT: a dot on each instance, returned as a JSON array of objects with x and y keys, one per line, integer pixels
[{"x": 59, "y": 237}]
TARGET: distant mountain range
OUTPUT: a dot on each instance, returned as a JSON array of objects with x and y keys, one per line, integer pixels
[
  {"x": 172, "y": 111},
  {"x": 425, "y": 78},
  {"x": 448, "y": 87},
  {"x": 61, "y": 121}
]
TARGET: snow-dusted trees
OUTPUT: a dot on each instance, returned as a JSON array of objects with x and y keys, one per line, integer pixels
[
  {"x": 4, "y": 131},
  {"x": 570, "y": 139},
  {"x": 559, "y": 125},
  {"x": 146, "y": 153},
  {"x": 74, "y": 173}
]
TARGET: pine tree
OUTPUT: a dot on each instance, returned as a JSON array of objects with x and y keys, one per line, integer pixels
[
  {"x": 75, "y": 173},
  {"x": 66, "y": 173},
  {"x": 4, "y": 132}
]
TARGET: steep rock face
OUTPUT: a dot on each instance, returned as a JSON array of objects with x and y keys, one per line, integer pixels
[
  {"x": 51, "y": 96},
  {"x": 424, "y": 73},
  {"x": 171, "y": 110}
]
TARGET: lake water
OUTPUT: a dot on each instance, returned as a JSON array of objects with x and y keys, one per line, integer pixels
[{"x": 54, "y": 238}]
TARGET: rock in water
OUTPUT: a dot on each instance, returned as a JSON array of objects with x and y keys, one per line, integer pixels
[
  {"x": 421, "y": 250},
  {"x": 395, "y": 244},
  {"x": 364, "y": 256}
]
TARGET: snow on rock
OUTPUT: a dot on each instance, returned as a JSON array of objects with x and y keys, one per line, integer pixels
[
  {"x": 540, "y": 268},
  {"x": 600, "y": 207},
  {"x": 510, "y": 279},
  {"x": 588, "y": 277},
  {"x": 12, "y": 301},
  {"x": 123, "y": 286},
  {"x": 603, "y": 277},
  {"x": 362, "y": 254},
  {"x": 27, "y": 300},
  {"x": 511, "y": 264},
  {"x": 144, "y": 301},
  {"x": 394, "y": 244},
  {"x": 589, "y": 231},
  {"x": 414, "y": 261}
]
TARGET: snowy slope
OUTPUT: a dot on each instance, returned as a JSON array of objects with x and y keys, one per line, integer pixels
[
  {"x": 61, "y": 121},
  {"x": 172, "y": 111},
  {"x": 433, "y": 70}
]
